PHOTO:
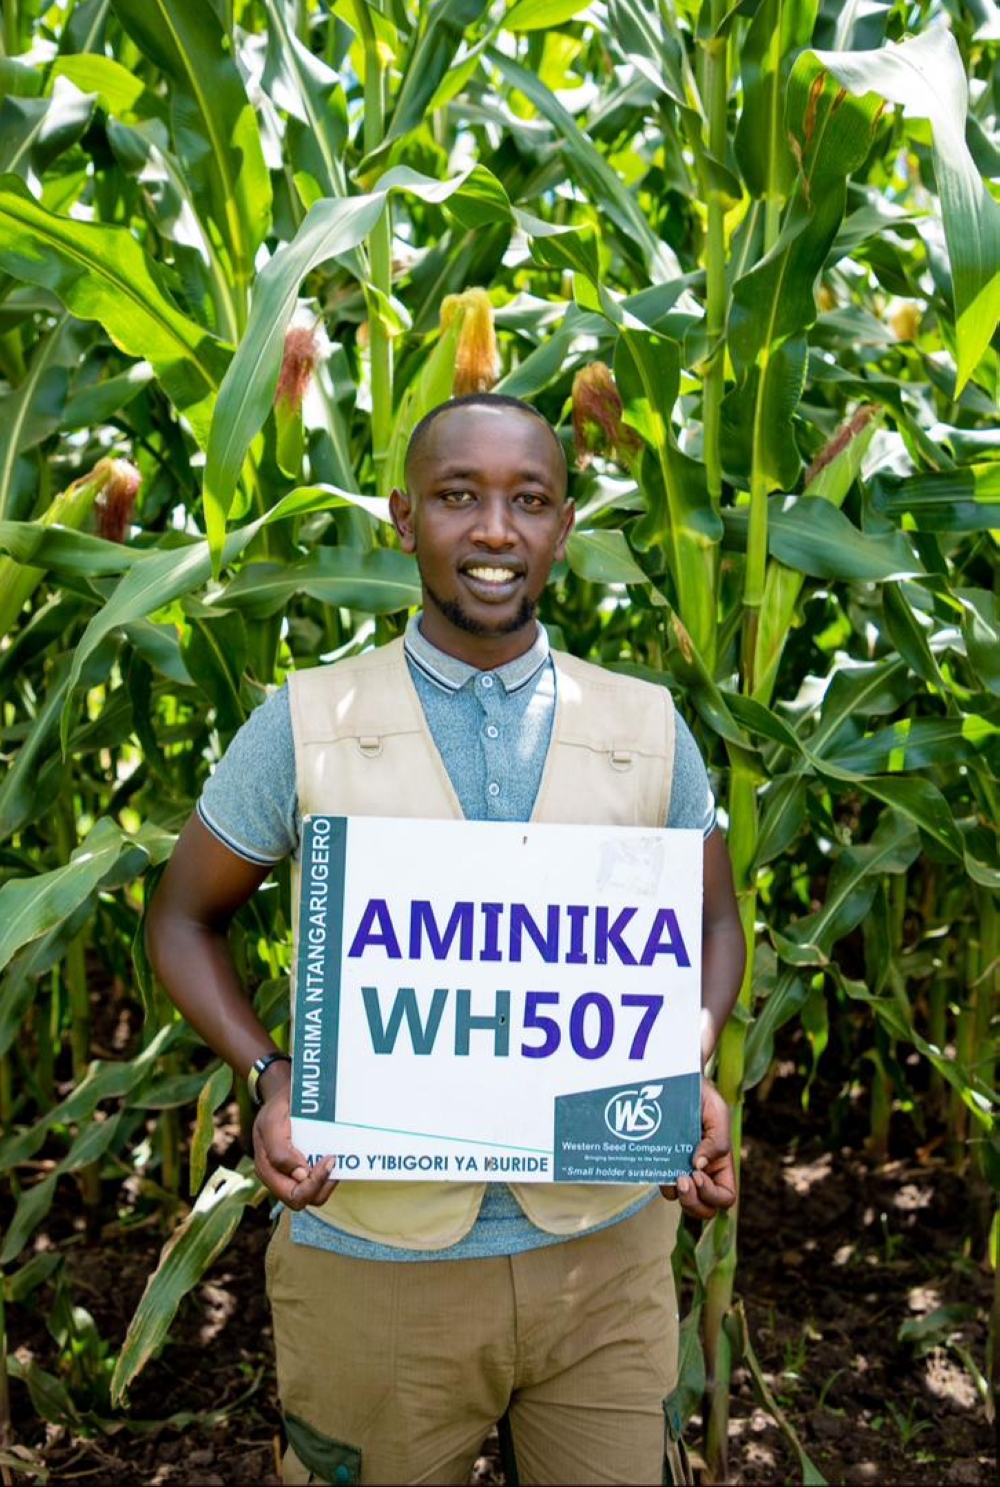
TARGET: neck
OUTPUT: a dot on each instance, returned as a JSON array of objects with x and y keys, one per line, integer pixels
[{"x": 485, "y": 652}]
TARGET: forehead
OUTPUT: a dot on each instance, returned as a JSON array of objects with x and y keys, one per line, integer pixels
[{"x": 490, "y": 442}]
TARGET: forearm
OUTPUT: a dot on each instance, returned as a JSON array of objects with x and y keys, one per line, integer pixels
[
  {"x": 723, "y": 946},
  {"x": 187, "y": 936},
  {"x": 194, "y": 964},
  {"x": 723, "y": 962}
]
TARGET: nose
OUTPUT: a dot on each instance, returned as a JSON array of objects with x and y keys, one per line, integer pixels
[{"x": 494, "y": 528}]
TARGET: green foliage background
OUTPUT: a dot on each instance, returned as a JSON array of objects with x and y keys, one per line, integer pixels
[{"x": 775, "y": 219}]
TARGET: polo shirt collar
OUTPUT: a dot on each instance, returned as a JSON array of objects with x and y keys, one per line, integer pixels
[{"x": 452, "y": 674}]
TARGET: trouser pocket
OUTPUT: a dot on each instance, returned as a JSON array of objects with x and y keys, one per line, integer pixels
[
  {"x": 312, "y": 1457},
  {"x": 676, "y": 1462}
]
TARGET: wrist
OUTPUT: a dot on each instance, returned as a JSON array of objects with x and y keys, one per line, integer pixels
[{"x": 267, "y": 1075}]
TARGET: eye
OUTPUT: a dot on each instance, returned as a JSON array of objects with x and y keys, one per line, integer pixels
[
  {"x": 531, "y": 499},
  {"x": 456, "y": 497}
]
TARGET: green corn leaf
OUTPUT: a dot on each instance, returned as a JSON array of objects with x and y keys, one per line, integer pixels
[
  {"x": 808, "y": 534},
  {"x": 774, "y": 303},
  {"x": 743, "y": 1347},
  {"x": 908, "y": 635},
  {"x": 215, "y": 128},
  {"x": 834, "y": 473},
  {"x": 64, "y": 552},
  {"x": 981, "y": 628},
  {"x": 652, "y": 45},
  {"x": 215, "y": 1089},
  {"x": 200, "y": 257},
  {"x": 100, "y": 402},
  {"x": 778, "y": 32},
  {"x": 310, "y": 92},
  {"x": 101, "y": 273},
  {"x": 917, "y": 800},
  {"x": 30, "y": 907},
  {"x": 103, "y": 1081},
  {"x": 849, "y": 892},
  {"x": 898, "y": 1023},
  {"x": 330, "y": 229},
  {"x": 17, "y": 1288},
  {"x": 185, "y": 1257},
  {"x": 441, "y": 34},
  {"x": 162, "y": 575},
  {"x": 925, "y": 75},
  {"x": 34, "y": 409},
  {"x": 34, "y": 132},
  {"x": 379, "y": 582},
  {"x": 34, "y": 1203},
  {"x": 918, "y": 743},
  {"x": 923, "y": 805},
  {"x": 18, "y": 986},
  {"x": 433, "y": 386},
  {"x": 597, "y": 177},
  {"x": 783, "y": 814},
  {"x": 783, "y": 1001},
  {"x": 647, "y": 370},
  {"x": 603, "y": 557},
  {"x": 119, "y": 91},
  {"x": 19, "y": 787},
  {"x": 51, "y": 1401},
  {"x": 539, "y": 15},
  {"x": 215, "y": 652},
  {"x": 962, "y": 500}
]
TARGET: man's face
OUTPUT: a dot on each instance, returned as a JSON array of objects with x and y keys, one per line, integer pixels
[{"x": 487, "y": 516}]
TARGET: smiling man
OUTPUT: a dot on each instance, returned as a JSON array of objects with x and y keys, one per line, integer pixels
[
  {"x": 487, "y": 516},
  {"x": 409, "y": 1317}
]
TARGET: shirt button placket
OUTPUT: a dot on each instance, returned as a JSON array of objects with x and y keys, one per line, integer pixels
[{"x": 491, "y": 701}]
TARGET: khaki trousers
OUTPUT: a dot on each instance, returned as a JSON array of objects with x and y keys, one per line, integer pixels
[{"x": 395, "y": 1372}]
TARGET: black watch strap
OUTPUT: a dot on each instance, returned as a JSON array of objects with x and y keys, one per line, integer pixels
[{"x": 260, "y": 1067}]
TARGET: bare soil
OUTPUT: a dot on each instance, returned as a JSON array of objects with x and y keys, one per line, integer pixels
[{"x": 837, "y": 1253}]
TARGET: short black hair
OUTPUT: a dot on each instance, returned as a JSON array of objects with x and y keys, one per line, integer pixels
[{"x": 472, "y": 400}]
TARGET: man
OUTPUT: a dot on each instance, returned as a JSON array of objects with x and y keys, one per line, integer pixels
[{"x": 410, "y": 1316}]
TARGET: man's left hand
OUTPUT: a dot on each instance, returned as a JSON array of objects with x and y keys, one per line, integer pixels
[{"x": 711, "y": 1186}]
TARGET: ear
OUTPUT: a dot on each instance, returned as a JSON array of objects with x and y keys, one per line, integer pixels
[
  {"x": 566, "y": 526},
  {"x": 401, "y": 511}
]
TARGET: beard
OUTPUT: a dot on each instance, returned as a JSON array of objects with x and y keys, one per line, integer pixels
[{"x": 452, "y": 610}]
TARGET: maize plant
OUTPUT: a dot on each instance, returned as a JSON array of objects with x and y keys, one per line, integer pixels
[{"x": 246, "y": 244}]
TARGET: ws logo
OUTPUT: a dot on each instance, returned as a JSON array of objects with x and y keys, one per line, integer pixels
[{"x": 634, "y": 1114}]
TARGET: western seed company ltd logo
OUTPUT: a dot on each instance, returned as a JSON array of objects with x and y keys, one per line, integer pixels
[{"x": 634, "y": 1114}]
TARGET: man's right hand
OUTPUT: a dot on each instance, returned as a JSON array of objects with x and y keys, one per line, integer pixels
[{"x": 280, "y": 1166}]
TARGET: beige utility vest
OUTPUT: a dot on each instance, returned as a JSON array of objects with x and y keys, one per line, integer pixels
[{"x": 363, "y": 748}]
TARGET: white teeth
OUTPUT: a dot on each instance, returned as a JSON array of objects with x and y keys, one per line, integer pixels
[{"x": 491, "y": 575}]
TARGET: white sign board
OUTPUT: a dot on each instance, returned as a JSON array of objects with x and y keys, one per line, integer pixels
[{"x": 494, "y": 1001}]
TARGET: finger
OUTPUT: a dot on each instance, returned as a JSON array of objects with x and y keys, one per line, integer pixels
[
  {"x": 299, "y": 1190},
  {"x": 316, "y": 1187},
  {"x": 690, "y": 1200},
  {"x": 712, "y": 1149},
  {"x": 273, "y": 1139},
  {"x": 702, "y": 1197}
]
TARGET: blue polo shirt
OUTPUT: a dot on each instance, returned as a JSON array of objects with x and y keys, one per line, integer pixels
[{"x": 492, "y": 730}]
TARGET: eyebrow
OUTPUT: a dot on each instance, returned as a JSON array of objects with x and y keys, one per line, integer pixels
[{"x": 461, "y": 472}]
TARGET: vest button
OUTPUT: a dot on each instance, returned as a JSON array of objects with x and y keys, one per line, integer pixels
[
  {"x": 492, "y": 731},
  {"x": 486, "y": 681},
  {"x": 493, "y": 788}
]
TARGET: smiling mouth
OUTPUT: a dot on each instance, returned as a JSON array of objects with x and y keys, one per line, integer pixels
[{"x": 490, "y": 573}]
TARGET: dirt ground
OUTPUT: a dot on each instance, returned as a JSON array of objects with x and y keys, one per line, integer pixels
[{"x": 838, "y": 1253}]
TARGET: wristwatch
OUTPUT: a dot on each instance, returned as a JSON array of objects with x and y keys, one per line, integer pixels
[{"x": 260, "y": 1067}]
